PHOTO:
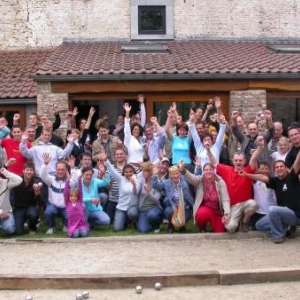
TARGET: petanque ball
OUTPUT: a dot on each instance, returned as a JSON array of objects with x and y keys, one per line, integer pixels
[
  {"x": 79, "y": 296},
  {"x": 85, "y": 294},
  {"x": 138, "y": 289},
  {"x": 158, "y": 286},
  {"x": 29, "y": 297}
]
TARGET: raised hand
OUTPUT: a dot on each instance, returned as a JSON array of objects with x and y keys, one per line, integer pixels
[
  {"x": 234, "y": 115},
  {"x": 141, "y": 98},
  {"x": 75, "y": 112},
  {"x": 268, "y": 115},
  {"x": 179, "y": 119},
  {"x": 218, "y": 102},
  {"x": 46, "y": 158},
  {"x": 24, "y": 137},
  {"x": 260, "y": 141},
  {"x": 16, "y": 117},
  {"x": 197, "y": 161},
  {"x": 153, "y": 120},
  {"x": 222, "y": 119},
  {"x": 127, "y": 107},
  {"x": 70, "y": 138},
  {"x": 92, "y": 111}
]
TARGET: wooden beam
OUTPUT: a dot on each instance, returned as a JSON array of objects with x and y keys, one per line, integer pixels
[
  {"x": 291, "y": 85},
  {"x": 148, "y": 86}
]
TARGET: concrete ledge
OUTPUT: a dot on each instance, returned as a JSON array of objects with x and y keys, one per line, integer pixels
[
  {"x": 144, "y": 238},
  {"x": 259, "y": 276},
  {"x": 106, "y": 281}
]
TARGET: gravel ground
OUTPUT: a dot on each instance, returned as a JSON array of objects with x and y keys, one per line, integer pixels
[
  {"x": 271, "y": 291},
  {"x": 147, "y": 256}
]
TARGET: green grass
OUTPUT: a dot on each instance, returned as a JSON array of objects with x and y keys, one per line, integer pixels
[{"x": 101, "y": 231}]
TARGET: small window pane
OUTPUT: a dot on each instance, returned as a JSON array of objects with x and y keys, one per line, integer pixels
[{"x": 152, "y": 19}]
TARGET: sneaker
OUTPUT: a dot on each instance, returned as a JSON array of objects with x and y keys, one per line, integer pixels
[
  {"x": 39, "y": 223},
  {"x": 32, "y": 232},
  {"x": 65, "y": 229},
  {"x": 244, "y": 226},
  {"x": 157, "y": 230},
  {"x": 291, "y": 233},
  {"x": 279, "y": 240},
  {"x": 50, "y": 231}
]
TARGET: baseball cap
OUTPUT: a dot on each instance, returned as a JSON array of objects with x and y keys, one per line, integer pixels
[{"x": 165, "y": 159}]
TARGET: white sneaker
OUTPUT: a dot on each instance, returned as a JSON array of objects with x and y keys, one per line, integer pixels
[
  {"x": 157, "y": 230},
  {"x": 65, "y": 229},
  {"x": 50, "y": 231}
]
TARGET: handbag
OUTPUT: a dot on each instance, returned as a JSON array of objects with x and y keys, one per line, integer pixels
[{"x": 178, "y": 216}]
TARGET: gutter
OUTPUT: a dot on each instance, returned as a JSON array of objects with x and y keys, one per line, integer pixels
[
  {"x": 146, "y": 77},
  {"x": 12, "y": 101}
]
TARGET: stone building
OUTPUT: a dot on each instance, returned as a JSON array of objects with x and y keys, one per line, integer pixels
[{"x": 102, "y": 53}]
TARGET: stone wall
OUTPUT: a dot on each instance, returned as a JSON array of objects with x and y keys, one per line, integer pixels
[
  {"x": 248, "y": 103},
  {"x": 45, "y": 100},
  {"x": 44, "y": 23}
]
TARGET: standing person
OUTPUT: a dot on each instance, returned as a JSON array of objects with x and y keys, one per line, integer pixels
[
  {"x": 25, "y": 198},
  {"x": 127, "y": 207},
  {"x": 294, "y": 136},
  {"x": 8, "y": 181},
  {"x": 77, "y": 226},
  {"x": 105, "y": 143},
  {"x": 175, "y": 189},
  {"x": 92, "y": 204},
  {"x": 212, "y": 203},
  {"x": 44, "y": 146},
  {"x": 239, "y": 188},
  {"x": 150, "y": 212},
  {"x": 248, "y": 141},
  {"x": 133, "y": 139},
  {"x": 155, "y": 145},
  {"x": 11, "y": 146},
  {"x": 56, "y": 204},
  {"x": 4, "y": 132},
  {"x": 287, "y": 189}
]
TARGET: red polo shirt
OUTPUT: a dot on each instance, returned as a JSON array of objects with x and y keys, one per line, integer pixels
[
  {"x": 239, "y": 187},
  {"x": 12, "y": 151}
]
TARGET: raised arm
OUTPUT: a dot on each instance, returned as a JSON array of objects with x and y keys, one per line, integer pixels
[
  {"x": 23, "y": 146},
  {"x": 168, "y": 125},
  {"x": 211, "y": 157},
  {"x": 89, "y": 118},
  {"x": 256, "y": 177},
  {"x": 270, "y": 126},
  {"x": 57, "y": 120},
  {"x": 296, "y": 165},
  {"x": 193, "y": 131},
  {"x": 257, "y": 152},
  {"x": 127, "y": 132},
  {"x": 209, "y": 107},
  {"x": 235, "y": 130},
  {"x": 13, "y": 179},
  {"x": 141, "y": 99}
]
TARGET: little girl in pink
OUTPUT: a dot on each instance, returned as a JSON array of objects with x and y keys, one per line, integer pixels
[{"x": 77, "y": 226}]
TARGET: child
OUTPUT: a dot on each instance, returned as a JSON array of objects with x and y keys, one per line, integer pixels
[{"x": 77, "y": 226}]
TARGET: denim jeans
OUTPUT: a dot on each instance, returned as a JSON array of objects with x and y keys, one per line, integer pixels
[
  {"x": 80, "y": 233},
  {"x": 21, "y": 214},
  {"x": 277, "y": 221},
  {"x": 111, "y": 210},
  {"x": 51, "y": 212},
  {"x": 150, "y": 219},
  {"x": 121, "y": 216},
  {"x": 104, "y": 199},
  {"x": 8, "y": 225},
  {"x": 98, "y": 217}
]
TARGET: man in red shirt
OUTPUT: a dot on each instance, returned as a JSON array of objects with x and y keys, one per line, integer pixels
[
  {"x": 239, "y": 187},
  {"x": 11, "y": 147}
]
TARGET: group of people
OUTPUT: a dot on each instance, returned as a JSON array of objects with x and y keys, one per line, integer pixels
[{"x": 228, "y": 177}]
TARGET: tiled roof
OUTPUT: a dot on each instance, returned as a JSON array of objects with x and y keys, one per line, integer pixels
[
  {"x": 17, "y": 69},
  {"x": 192, "y": 57}
]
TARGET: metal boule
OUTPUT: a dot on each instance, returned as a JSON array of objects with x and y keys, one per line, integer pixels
[
  {"x": 79, "y": 296},
  {"x": 138, "y": 289},
  {"x": 85, "y": 294},
  {"x": 158, "y": 286}
]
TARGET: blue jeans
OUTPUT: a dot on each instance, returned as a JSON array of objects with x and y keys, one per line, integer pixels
[
  {"x": 277, "y": 221},
  {"x": 21, "y": 214},
  {"x": 104, "y": 199},
  {"x": 51, "y": 212},
  {"x": 8, "y": 225},
  {"x": 97, "y": 217},
  {"x": 150, "y": 219},
  {"x": 121, "y": 216},
  {"x": 80, "y": 233}
]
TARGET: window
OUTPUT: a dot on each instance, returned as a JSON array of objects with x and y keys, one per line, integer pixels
[
  {"x": 152, "y": 22},
  {"x": 152, "y": 19}
]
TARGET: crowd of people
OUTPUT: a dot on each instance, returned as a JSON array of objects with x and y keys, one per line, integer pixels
[{"x": 227, "y": 177}]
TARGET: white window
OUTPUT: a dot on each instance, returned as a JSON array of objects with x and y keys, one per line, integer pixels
[{"x": 152, "y": 20}]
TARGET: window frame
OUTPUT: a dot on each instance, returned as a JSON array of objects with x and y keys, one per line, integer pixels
[{"x": 169, "y": 20}]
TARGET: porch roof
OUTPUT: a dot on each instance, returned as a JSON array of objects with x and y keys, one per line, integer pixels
[{"x": 105, "y": 60}]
